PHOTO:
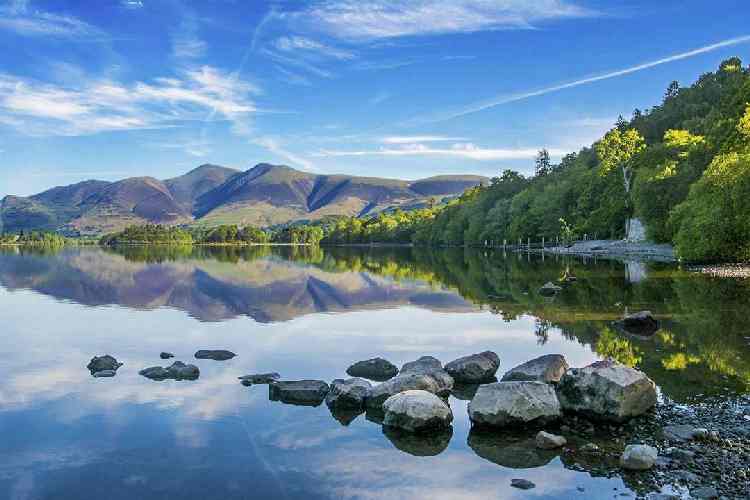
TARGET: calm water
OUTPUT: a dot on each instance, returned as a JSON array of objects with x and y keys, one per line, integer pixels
[{"x": 309, "y": 314}]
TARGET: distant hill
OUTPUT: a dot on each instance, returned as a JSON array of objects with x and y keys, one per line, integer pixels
[{"x": 211, "y": 195}]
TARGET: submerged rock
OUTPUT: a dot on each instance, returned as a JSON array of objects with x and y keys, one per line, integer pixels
[
  {"x": 177, "y": 371},
  {"x": 216, "y": 355},
  {"x": 350, "y": 393},
  {"x": 475, "y": 368},
  {"x": 345, "y": 416},
  {"x": 638, "y": 457},
  {"x": 103, "y": 363},
  {"x": 522, "y": 484},
  {"x": 298, "y": 392},
  {"x": 166, "y": 355},
  {"x": 547, "y": 441},
  {"x": 548, "y": 368},
  {"x": 549, "y": 289},
  {"x": 607, "y": 390},
  {"x": 259, "y": 378},
  {"x": 641, "y": 323},
  {"x": 515, "y": 450},
  {"x": 416, "y": 411},
  {"x": 420, "y": 445},
  {"x": 377, "y": 369},
  {"x": 514, "y": 403},
  {"x": 104, "y": 373}
]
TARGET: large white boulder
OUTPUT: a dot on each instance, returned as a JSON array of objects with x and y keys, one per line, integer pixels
[
  {"x": 416, "y": 411},
  {"x": 607, "y": 390},
  {"x": 514, "y": 403}
]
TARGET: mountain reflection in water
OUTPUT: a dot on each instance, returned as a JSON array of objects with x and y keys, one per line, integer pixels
[{"x": 309, "y": 313}]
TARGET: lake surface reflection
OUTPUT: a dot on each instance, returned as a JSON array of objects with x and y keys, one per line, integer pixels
[{"x": 309, "y": 313}]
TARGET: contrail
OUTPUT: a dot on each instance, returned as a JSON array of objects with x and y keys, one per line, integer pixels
[{"x": 508, "y": 98}]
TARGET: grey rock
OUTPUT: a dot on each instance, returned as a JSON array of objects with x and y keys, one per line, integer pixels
[
  {"x": 377, "y": 369},
  {"x": 424, "y": 374},
  {"x": 685, "y": 456},
  {"x": 298, "y": 392},
  {"x": 101, "y": 363},
  {"x": 465, "y": 392},
  {"x": 641, "y": 323},
  {"x": 522, "y": 484},
  {"x": 345, "y": 416},
  {"x": 350, "y": 393},
  {"x": 259, "y": 378},
  {"x": 549, "y": 289},
  {"x": 104, "y": 373},
  {"x": 704, "y": 492},
  {"x": 590, "y": 448},
  {"x": 662, "y": 496},
  {"x": 638, "y": 457},
  {"x": 687, "y": 476},
  {"x": 607, "y": 390},
  {"x": 427, "y": 365},
  {"x": 166, "y": 355},
  {"x": 547, "y": 441},
  {"x": 514, "y": 403},
  {"x": 177, "y": 371},
  {"x": 475, "y": 368},
  {"x": 416, "y": 411},
  {"x": 680, "y": 432},
  {"x": 216, "y": 354},
  {"x": 547, "y": 368}
]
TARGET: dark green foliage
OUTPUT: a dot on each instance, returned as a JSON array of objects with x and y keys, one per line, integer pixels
[
  {"x": 299, "y": 235},
  {"x": 33, "y": 238},
  {"x": 148, "y": 233},
  {"x": 230, "y": 234}
]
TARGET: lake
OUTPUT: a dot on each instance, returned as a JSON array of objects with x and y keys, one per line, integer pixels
[{"x": 310, "y": 313}]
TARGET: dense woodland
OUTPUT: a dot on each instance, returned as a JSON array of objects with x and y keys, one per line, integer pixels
[
  {"x": 33, "y": 238},
  {"x": 683, "y": 167}
]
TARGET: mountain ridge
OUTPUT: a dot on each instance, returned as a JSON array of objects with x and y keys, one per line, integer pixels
[{"x": 209, "y": 194}]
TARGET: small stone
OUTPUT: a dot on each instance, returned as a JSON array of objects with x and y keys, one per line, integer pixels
[
  {"x": 298, "y": 392},
  {"x": 547, "y": 441},
  {"x": 685, "y": 456},
  {"x": 166, "y": 355},
  {"x": 216, "y": 355},
  {"x": 589, "y": 448},
  {"x": 101, "y": 363},
  {"x": 641, "y": 323},
  {"x": 704, "y": 492},
  {"x": 522, "y": 484},
  {"x": 549, "y": 289},
  {"x": 680, "y": 432},
  {"x": 638, "y": 457}
]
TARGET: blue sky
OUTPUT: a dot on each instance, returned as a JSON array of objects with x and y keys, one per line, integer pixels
[{"x": 401, "y": 88}]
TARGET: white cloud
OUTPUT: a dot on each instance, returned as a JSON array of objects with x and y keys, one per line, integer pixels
[
  {"x": 298, "y": 43},
  {"x": 508, "y": 98},
  {"x": 194, "y": 147},
  {"x": 379, "y": 97},
  {"x": 458, "y": 150},
  {"x": 292, "y": 77},
  {"x": 275, "y": 147},
  {"x": 132, "y": 4},
  {"x": 381, "y": 19},
  {"x": 21, "y": 19},
  {"x": 37, "y": 108},
  {"x": 185, "y": 41},
  {"x": 412, "y": 139}
]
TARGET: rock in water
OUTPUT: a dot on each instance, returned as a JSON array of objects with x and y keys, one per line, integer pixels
[
  {"x": 522, "y": 484},
  {"x": 166, "y": 355},
  {"x": 607, "y": 390},
  {"x": 475, "y": 368},
  {"x": 638, "y": 457},
  {"x": 177, "y": 371},
  {"x": 424, "y": 374},
  {"x": 704, "y": 492},
  {"x": 260, "y": 378},
  {"x": 298, "y": 392},
  {"x": 104, "y": 373},
  {"x": 102, "y": 363},
  {"x": 514, "y": 403},
  {"x": 430, "y": 444},
  {"x": 547, "y": 368},
  {"x": 514, "y": 448},
  {"x": 427, "y": 365},
  {"x": 641, "y": 323},
  {"x": 547, "y": 441},
  {"x": 350, "y": 393},
  {"x": 416, "y": 411},
  {"x": 216, "y": 355},
  {"x": 377, "y": 369},
  {"x": 549, "y": 289}
]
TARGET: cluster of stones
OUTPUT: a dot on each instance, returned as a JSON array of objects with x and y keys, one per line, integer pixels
[{"x": 106, "y": 366}]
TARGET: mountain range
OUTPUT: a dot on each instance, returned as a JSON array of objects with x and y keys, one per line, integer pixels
[{"x": 210, "y": 195}]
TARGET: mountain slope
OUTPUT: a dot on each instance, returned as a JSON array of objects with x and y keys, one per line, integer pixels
[{"x": 210, "y": 194}]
